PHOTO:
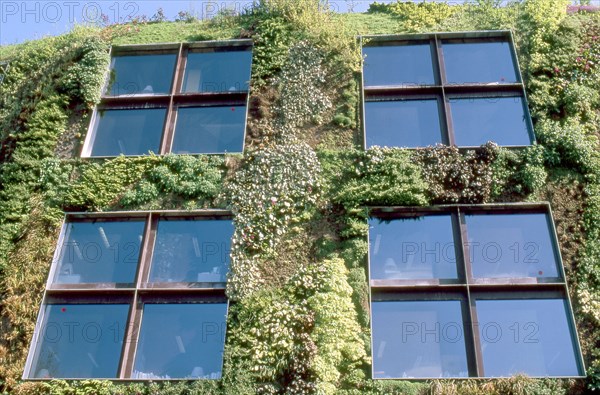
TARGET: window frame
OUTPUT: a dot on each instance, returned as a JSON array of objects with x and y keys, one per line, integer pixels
[
  {"x": 175, "y": 98},
  {"x": 135, "y": 295},
  {"x": 442, "y": 89},
  {"x": 469, "y": 289}
]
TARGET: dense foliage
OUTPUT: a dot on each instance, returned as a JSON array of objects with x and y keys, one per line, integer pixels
[{"x": 300, "y": 318}]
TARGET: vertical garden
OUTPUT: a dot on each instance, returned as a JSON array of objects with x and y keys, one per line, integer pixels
[{"x": 298, "y": 321}]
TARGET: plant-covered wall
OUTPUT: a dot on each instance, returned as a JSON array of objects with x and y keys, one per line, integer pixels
[{"x": 299, "y": 319}]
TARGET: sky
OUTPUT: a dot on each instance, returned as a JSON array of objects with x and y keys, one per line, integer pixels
[{"x": 22, "y": 20}]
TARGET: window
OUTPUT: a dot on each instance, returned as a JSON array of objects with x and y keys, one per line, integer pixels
[
  {"x": 135, "y": 296},
  {"x": 188, "y": 98},
  {"x": 469, "y": 291},
  {"x": 461, "y": 89}
]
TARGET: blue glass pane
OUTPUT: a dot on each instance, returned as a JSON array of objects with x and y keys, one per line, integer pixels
[
  {"x": 479, "y": 62},
  {"x": 403, "y": 123},
  {"x": 400, "y": 65},
  {"x": 99, "y": 252},
  {"x": 530, "y": 337},
  {"x": 511, "y": 245},
  {"x": 79, "y": 341},
  {"x": 181, "y": 341},
  {"x": 418, "y": 339},
  {"x": 412, "y": 248},
  {"x": 209, "y": 130},
  {"x": 217, "y": 71},
  {"x": 142, "y": 74},
  {"x": 192, "y": 251},
  {"x": 498, "y": 119},
  {"x": 128, "y": 132}
]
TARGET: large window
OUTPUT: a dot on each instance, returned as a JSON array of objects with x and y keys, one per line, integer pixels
[
  {"x": 186, "y": 98},
  {"x": 469, "y": 291},
  {"x": 461, "y": 89},
  {"x": 135, "y": 297}
]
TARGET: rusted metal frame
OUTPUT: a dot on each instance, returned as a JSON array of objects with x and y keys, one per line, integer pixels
[
  {"x": 123, "y": 216},
  {"x": 412, "y": 211},
  {"x": 455, "y": 91}
]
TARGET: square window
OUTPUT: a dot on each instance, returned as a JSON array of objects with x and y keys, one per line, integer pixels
[
  {"x": 141, "y": 75},
  {"x": 511, "y": 246},
  {"x": 403, "y": 123},
  {"x": 99, "y": 252},
  {"x": 126, "y": 132},
  {"x": 208, "y": 130},
  {"x": 79, "y": 341},
  {"x": 412, "y": 248},
  {"x": 181, "y": 341},
  {"x": 418, "y": 339},
  {"x": 192, "y": 251},
  {"x": 398, "y": 65},
  {"x": 217, "y": 72},
  {"x": 479, "y": 62},
  {"x": 526, "y": 336},
  {"x": 499, "y": 119}
]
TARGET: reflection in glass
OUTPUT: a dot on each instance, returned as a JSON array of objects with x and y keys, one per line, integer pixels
[
  {"x": 399, "y": 65},
  {"x": 402, "y": 123},
  {"x": 79, "y": 341},
  {"x": 479, "y": 62},
  {"x": 498, "y": 119},
  {"x": 418, "y": 339},
  {"x": 141, "y": 74},
  {"x": 412, "y": 248},
  {"x": 181, "y": 341},
  {"x": 99, "y": 252},
  {"x": 209, "y": 130},
  {"x": 217, "y": 71},
  {"x": 530, "y": 337},
  {"x": 127, "y": 132},
  {"x": 192, "y": 251},
  {"x": 511, "y": 245}
]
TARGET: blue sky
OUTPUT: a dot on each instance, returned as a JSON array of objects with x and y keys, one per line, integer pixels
[{"x": 26, "y": 20}]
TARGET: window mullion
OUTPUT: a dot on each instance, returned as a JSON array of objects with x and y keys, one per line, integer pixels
[{"x": 447, "y": 115}]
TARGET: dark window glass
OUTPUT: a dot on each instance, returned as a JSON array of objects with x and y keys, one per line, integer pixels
[
  {"x": 530, "y": 337},
  {"x": 412, "y": 248},
  {"x": 399, "y": 65},
  {"x": 99, "y": 252},
  {"x": 209, "y": 130},
  {"x": 479, "y": 62},
  {"x": 79, "y": 341},
  {"x": 142, "y": 74},
  {"x": 217, "y": 71},
  {"x": 498, "y": 119},
  {"x": 191, "y": 251},
  {"x": 511, "y": 245},
  {"x": 128, "y": 132},
  {"x": 418, "y": 339},
  {"x": 403, "y": 123},
  {"x": 181, "y": 341}
]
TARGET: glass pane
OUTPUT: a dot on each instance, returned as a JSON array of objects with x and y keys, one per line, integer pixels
[
  {"x": 142, "y": 74},
  {"x": 403, "y": 123},
  {"x": 530, "y": 337},
  {"x": 181, "y": 341},
  {"x": 192, "y": 251},
  {"x": 217, "y": 71},
  {"x": 209, "y": 130},
  {"x": 479, "y": 62},
  {"x": 128, "y": 132},
  {"x": 418, "y": 339},
  {"x": 99, "y": 252},
  {"x": 498, "y": 119},
  {"x": 399, "y": 65},
  {"x": 412, "y": 248},
  {"x": 511, "y": 245},
  {"x": 79, "y": 341}
]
